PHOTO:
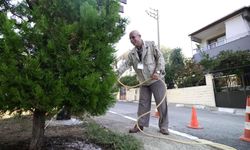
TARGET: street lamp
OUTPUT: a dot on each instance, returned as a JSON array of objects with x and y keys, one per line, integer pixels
[{"x": 154, "y": 13}]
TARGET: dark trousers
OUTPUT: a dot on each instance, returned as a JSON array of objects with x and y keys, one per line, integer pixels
[{"x": 158, "y": 90}]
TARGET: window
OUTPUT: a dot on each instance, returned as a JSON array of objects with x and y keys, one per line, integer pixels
[{"x": 217, "y": 41}]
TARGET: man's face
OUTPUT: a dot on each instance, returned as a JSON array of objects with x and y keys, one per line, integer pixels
[{"x": 135, "y": 39}]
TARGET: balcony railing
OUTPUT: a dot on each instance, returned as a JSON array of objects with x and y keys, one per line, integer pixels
[{"x": 222, "y": 42}]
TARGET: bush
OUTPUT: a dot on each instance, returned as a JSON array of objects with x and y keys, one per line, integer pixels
[
  {"x": 129, "y": 80},
  {"x": 110, "y": 140}
]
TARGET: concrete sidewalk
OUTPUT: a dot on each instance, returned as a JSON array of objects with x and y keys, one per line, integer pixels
[{"x": 121, "y": 124}]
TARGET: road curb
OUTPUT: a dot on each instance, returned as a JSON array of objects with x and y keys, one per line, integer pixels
[{"x": 236, "y": 111}]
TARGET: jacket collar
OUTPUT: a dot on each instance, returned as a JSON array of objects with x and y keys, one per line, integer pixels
[{"x": 144, "y": 50}]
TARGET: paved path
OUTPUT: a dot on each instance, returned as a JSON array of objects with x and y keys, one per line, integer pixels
[{"x": 118, "y": 123}]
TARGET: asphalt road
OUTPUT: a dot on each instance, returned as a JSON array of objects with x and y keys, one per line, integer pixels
[{"x": 219, "y": 127}]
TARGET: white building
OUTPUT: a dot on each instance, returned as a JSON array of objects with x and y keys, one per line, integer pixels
[{"x": 231, "y": 32}]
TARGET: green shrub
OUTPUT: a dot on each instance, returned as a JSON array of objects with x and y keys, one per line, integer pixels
[
  {"x": 110, "y": 140},
  {"x": 129, "y": 80}
]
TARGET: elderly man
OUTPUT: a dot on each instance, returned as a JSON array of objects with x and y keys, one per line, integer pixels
[{"x": 148, "y": 63}]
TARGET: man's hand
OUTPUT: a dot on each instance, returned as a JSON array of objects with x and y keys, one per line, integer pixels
[{"x": 155, "y": 76}]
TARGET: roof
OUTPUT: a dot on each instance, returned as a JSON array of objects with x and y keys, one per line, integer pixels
[{"x": 222, "y": 19}]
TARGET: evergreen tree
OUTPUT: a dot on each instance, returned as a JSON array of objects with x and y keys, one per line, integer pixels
[
  {"x": 57, "y": 52},
  {"x": 190, "y": 75},
  {"x": 173, "y": 67}
]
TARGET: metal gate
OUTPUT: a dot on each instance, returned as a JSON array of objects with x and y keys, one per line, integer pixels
[{"x": 231, "y": 90}]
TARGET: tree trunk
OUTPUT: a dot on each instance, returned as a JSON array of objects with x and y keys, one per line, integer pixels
[{"x": 37, "y": 130}]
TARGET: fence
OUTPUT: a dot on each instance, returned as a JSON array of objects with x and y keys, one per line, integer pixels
[{"x": 202, "y": 95}]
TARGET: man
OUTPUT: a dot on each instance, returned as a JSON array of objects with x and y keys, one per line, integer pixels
[{"x": 148, "y": 63}]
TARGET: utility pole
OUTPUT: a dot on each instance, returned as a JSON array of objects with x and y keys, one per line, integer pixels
[{"x": 154, "y": 13}]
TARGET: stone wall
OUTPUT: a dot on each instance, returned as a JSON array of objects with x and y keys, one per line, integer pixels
[{"x": 201, "y": 95}]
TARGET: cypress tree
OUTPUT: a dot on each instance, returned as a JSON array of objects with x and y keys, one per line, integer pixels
[{"x": 57, "y": 52}]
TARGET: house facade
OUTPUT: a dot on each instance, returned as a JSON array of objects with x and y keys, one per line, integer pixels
[{"x": 231, "y": 32}]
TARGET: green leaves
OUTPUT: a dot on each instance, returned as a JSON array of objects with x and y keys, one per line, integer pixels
[
  {"x": 173, "y": 67},
  {"x": 129, "y": 80},
  {"x": 115, "y": 141},
  {"x": 227, "y": 61},
  {"x": 181, "y": 72},
  {"x": 59, "y": 53}
]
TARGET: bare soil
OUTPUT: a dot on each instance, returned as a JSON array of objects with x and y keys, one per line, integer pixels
[{"x": 16, "y": 135}]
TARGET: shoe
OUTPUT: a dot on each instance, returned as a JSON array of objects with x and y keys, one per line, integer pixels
[
  {"x": 164, "y": 131},
  {"x": 135, "y": 129}
]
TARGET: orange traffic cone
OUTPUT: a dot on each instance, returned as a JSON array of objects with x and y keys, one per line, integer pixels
[
  {"x": 194, "y": 122},
  {"x": 246, "y": 136},
  {"x": 157, "y": 114}
]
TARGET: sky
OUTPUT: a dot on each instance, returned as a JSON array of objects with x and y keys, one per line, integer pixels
[{"x": 177, "y": 19}]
